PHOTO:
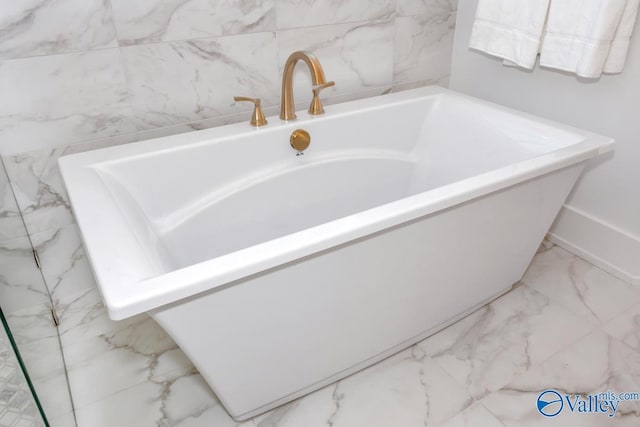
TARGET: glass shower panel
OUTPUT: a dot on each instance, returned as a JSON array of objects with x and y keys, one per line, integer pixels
[
  {"x": 26, "y": 304},
  {"x": 19, "y": 405}
]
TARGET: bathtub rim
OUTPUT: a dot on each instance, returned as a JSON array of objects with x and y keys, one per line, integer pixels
[{"x": 127, "y": 293}]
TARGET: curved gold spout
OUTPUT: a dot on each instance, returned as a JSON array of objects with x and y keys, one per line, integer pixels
[{"x": 287, "y": 107}]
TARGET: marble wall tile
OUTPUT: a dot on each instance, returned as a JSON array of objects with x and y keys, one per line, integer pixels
[
  {"x": 488, "y": 348},
  {"x": 206, "y": 123},
  {"x": 597, "y": 363},
  {"x": 63, "y": 261},
  {"x": 38, "y": 185},
  {"x": 413, "y": 85},
  {"x": 423, "y": 47},
  {"x": 45, "y": 27},
  {"x": 421, "y": 7},
  {"x": 11, "y": 225},
  {"x": 179, "y": 82},
  {"x": 307, "y": 13},
  {"x": 62, "y": 99},
  {"x": 39, "y": 189},
  {"x": 21, "y": 285},
  {"x": 166, "y": 20},
  {"x": 358, "y": 57}
]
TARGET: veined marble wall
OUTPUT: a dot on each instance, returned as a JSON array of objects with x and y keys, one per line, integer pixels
[
  {"x": 76, "y": 75},
  {"x": 78, "y": 70}
]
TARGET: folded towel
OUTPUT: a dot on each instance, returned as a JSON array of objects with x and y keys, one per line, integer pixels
[
  {"x": 510, "y": 29},
  {"x": 620, "y": 43},
  {"x": 580, "y": 35},
  {"x": 586, "y": 37}
]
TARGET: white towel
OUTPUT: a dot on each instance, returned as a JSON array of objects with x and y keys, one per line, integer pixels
[
  {"x": 510, "y": 29},
  {"x": 586, "y": 37}
]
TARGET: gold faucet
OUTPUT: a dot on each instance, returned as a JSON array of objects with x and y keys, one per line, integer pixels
[
  {"x": 257, "y": 116},
  {"x": 287, "y": 107}
]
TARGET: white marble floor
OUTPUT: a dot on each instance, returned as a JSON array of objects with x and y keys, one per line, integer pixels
[{"x": 568, "y": 326}]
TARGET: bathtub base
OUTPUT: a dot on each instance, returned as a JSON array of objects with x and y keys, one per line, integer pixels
[
  {"x": 264, "y": 340},
  {"x": 369, "y": 362}
]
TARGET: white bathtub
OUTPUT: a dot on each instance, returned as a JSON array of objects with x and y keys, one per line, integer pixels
[{"x": 278, "y": 274}]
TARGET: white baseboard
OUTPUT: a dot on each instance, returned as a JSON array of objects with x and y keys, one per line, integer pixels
[{"x": 613, "y": 250}]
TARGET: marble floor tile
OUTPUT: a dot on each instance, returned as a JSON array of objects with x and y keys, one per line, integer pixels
[
  {"x": 596, "y": 363},
  {"x": 486, "y": 349},
  {"x": 579, "y": 286},
  {"x": 139, "y": 405},
  {"x": 32, "y": 324},
  {"x": 474, "y": 416},
  {"x": 84, "y": 315},
  {"x": 188, "y": 401},
  {"x": 130, "y": 373},
  {"x": 53, "y": 393},
  {"x": 121, "y": 358},
  {"x": 408, "y": 389},
  {"x": 105, "y": 357},
  {"x": 626, "y": 327},
  {"x": 185, "y": 401}
]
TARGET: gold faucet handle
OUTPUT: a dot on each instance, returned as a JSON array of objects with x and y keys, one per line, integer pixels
[
  {"x": 257, "y": 116},
  {"x": 316, "y": 106}
]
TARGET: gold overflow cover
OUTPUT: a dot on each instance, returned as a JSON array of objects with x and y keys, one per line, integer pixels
[{"x": 300, "y": 139}]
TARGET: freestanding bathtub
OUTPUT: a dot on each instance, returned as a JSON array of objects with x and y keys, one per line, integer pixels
[{"x": 279, "y": 273}]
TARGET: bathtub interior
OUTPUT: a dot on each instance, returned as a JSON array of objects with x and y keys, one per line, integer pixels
[{"x": 200, "y": 201}]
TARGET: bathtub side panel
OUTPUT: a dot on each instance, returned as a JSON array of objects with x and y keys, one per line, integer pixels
[{"x": 280, "y": 334}]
